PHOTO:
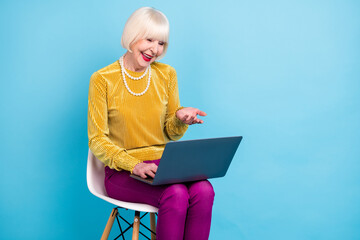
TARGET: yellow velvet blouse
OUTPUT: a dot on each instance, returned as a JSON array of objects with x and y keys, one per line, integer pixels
[{"x": 124, "y": 129}]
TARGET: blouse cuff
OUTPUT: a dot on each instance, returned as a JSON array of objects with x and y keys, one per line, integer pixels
[{"x": 125, "y": 162}]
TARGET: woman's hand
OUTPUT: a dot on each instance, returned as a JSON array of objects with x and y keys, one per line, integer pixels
[
  {"x": 145, "y": 169},
  {"x": 188, "y": 115}
]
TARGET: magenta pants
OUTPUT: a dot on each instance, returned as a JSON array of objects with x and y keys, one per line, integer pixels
[{"x": 184, "y": 209}]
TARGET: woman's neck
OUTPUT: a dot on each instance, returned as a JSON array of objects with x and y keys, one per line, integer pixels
[{"x": 131, "y": 64}]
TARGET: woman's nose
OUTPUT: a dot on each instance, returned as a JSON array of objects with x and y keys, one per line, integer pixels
[{"x": 154, "y": 48}]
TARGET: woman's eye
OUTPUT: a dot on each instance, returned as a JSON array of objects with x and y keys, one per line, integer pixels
[
  {"x": 161, "y": 43},
  {"x": 149, "y": 40}
]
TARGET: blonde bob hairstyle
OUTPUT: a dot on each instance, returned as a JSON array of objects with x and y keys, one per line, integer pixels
[{"x": 144, "y": 23}]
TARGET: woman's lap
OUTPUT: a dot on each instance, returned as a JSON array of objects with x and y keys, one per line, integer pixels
[{"x": 121, "y": 186}]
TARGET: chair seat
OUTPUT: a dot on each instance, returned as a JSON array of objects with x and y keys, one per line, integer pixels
[{"x": 141, "y": 207}]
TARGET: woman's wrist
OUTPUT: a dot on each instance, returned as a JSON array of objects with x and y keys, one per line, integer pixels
[{"x": 177, "y": 112}]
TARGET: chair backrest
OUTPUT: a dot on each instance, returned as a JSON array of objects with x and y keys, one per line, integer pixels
[{"x": 95, "y": 175}]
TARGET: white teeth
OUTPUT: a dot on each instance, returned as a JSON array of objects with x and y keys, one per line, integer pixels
[{"x": 148, "y": 56}]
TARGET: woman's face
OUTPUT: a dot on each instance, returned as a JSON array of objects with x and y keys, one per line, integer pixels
[{"x": 145, "y": 52}]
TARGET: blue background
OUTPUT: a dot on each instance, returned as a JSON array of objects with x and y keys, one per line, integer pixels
[{"x": 283, "y": 74}]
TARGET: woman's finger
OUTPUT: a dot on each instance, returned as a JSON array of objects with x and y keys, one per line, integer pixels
[
  {"x": 183, "y": 119},
  {"x": 150, "y": 170},
  {"x": 143, "y": 175},
  {"x": 196, "y": 120},
  {"x": 150, "y": 173},
  {"x": 191, "y": 119},
  {"x": 201, "y": 113},
  {"x": 154, "y": 167},
  {"x": 188, "y": 118}
]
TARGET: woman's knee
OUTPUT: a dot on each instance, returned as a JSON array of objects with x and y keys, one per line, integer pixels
[
  {"x": 202, "y": 190},
  {"x": 176, "y": 197}
]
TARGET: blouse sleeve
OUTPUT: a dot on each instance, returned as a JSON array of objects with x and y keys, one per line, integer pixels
[
  {"x": 174, "y": 128},
  {"x": 98, "y": 132}
]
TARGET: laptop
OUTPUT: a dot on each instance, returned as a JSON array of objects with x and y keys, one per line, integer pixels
[{"x": 192, "y": 160}]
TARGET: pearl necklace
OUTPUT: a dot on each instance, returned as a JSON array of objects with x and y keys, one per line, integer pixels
[{"x": 123, "y": 71}]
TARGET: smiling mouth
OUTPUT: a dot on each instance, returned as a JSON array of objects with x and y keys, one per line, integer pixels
[{"x": 146, "y": 57}]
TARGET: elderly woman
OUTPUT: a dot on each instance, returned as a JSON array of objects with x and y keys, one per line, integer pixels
[{"x": 134, "y": 110}]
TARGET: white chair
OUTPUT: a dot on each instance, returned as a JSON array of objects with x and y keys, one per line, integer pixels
[{"x": 95, "y": 180}]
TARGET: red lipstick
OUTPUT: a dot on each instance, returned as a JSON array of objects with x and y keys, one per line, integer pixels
[{"x": 146, "y": 58}]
